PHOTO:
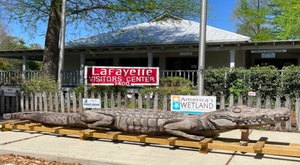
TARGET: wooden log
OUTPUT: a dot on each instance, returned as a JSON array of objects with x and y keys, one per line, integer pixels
[
  {"x": 244, "y": 137},
  {"x": 258, "y": 147},
  {"x": 172, "y": 141},
  {"x": 204, "y": 145}
]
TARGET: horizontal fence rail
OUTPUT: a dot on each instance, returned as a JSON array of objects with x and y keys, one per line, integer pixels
[{"x": 72, "y": 102}]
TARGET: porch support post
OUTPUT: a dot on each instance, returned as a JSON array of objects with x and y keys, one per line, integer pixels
[
  {"x": 150, "y": 57},
  {"x": 24, "y": 66},
  {"x": 82, "y": 65},
  {"x": 232, "y": 58}
]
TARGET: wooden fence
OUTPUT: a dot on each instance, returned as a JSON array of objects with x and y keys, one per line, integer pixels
[{"x": 70, "y": 102}]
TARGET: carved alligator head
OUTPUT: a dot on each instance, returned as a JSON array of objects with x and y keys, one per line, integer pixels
[{"x": 246, "y": 117}]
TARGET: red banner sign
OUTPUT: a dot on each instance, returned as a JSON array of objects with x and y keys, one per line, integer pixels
[{"x": 124, "y": 76}]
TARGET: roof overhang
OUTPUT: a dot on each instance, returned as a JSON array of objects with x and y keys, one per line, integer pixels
[{"x": 37, "y": 54}]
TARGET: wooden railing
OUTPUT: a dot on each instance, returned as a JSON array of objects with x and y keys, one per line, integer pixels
[{"x": 71, "y": 102}]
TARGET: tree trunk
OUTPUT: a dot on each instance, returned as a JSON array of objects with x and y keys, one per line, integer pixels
[{"x": 51, "y": 51}]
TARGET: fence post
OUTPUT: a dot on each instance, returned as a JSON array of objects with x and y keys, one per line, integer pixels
[
  {"x": 148, "y": 101},
  {"x": 119, "y": 100},
  {"x": 80, "y": 101},
  {"x": 2, "y": 102},
  {"x": 140, "y": 101},
  {"x": 26, "y": 103},
  {"x": 287, "y": 104},
  {"x": 268, "y": 102},
  {"x": 45, "y": 98},
  {"x": 105, "y": 100},
  {"x": 17, "y": 101},
  {"x": 249, "y": 101},
  {"x": 40, "y": 102},
  {"x": 125, "y": 101},
  {"x": 231, "y": 100},
  {"x": 297, "y": 109},
  {"x": 258, "y": 102},
  {"x": 222, "y": 101},
  {"x": 31, "y": 102},
  {"x": 240, "y": 99},
  {"x": 50, "y": 98},
  {"x": 165, "y": 103},
  {"x": 68, "y": 102},
  {"x": 56, "y": 102},
  {"x": 74, "y": 102},
  {"x": 155, "y": 106},
  {"x": 132, "y": 101},
  {"x": 35, "y": 102},
  {"x": 62, "y": 102},
  {"x": 112, "y": 100},
  {"x": 21, "y": 101},
  {"x": 278, "y": 105}
]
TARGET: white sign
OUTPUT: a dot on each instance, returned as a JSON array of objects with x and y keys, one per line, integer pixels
[
  {"x": 251, "y": 93},
  {"x": 193, "y": 104},
  {"x": 91, "y": 103},
  {"x": 269, "y": 51},
  {"x": 9, "y": 91},
  {"x": 268, "y": 55}
]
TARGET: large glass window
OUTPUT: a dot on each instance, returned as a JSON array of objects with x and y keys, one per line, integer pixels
[
  {"x": 99, "y": 62},
  {"x": 182, "y": 63}
]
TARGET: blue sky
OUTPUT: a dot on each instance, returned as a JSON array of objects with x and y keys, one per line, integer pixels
[{"x": 220, "y": 16}]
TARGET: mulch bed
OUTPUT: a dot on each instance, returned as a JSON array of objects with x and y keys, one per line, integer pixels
[{"x": 11, "y": 159}]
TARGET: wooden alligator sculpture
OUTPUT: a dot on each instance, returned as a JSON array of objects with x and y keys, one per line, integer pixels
[{"x": 195, "y": 127}]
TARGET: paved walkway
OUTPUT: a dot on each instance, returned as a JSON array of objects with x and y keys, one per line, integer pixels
[{"x": 71, "y": 149}]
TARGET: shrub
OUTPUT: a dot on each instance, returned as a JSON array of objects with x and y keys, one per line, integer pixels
[
  {"x": 291, "y": 80},
  {"x": 41, "y": 83},
  {"x": 100, "y": 89},
  {"x": 171, "y": 85}
]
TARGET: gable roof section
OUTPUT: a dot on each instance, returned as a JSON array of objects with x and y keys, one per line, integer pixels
[{"x": 161, "y": 30}]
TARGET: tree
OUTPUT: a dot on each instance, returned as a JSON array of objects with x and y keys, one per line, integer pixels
[
  {"x": 286, "y": 19},
  {"x": 94, "y": 13},
  {"x": 254, "y": 19}
]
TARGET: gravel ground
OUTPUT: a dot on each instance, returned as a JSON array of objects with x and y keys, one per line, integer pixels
[{"x": 11, "y": 159}]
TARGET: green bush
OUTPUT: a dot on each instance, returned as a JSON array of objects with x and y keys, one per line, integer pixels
[
  {"x": 171, "y": 85},
  {"x": 265, "y": 80},
  {"x": 41, "y": 83},
  {"x": 216, "y": 81},
  {"x": 291, "y": 80}
]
